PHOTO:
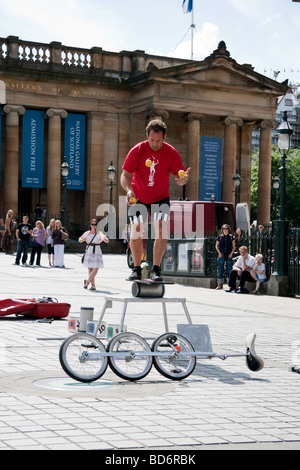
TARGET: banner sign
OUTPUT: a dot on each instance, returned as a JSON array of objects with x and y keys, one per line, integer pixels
[
  {"x": 75, "y": 150},
  {"x": 210, "y": 178},
  {"x": 33, "y": 149}
]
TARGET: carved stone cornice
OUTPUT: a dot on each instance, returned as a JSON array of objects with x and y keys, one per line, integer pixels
[
  {"x": 56, "y": 112},
  {"x": 265, "y": 124},
  {"x": 190, "y": 117},
  {"x": 10, "y": 108},
  {"x": 231, "y": 120},
  {"x": 159, "y": 114}
]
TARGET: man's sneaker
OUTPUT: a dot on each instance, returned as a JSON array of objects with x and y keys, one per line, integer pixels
[
  {"x": 136, "y": 274},
  {"x": 155, "y": 276}
]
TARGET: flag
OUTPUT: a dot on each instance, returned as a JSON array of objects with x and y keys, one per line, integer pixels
[{"x": 187, "y": 6}]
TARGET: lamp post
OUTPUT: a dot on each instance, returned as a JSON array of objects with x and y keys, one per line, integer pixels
[
  {"x": 276, "y": 185},
  {"x": 111, "y": 175},
  {"x": 64, "y": 173},
  {"x": 283, "y": 132},
  {"x": 236, "y": 184}
]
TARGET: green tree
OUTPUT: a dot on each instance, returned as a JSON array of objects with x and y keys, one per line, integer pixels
[{"x": 292, "y": 183}]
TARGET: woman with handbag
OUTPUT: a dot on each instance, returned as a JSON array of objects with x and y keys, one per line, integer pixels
[
  {"x": 93, "y": 259},
  {"x": 39, "y": 236},
  {"x": 59, "y": 236}
]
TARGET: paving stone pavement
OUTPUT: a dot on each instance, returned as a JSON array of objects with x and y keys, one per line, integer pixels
[{"x": 222, "y": 405}]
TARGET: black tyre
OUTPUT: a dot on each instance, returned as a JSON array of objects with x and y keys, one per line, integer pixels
[
  {"x": 129, "y": 359},
  {"x": 80, "y": 357},
  {"x": 174, "y": 362}
]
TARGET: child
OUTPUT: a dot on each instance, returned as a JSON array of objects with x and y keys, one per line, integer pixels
[{"x": 258, "y": 272}]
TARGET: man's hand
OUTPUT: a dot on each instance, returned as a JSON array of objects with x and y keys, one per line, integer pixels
[
  {"x": 181, "y": 181},
  {"x": 131, "y": 199}
]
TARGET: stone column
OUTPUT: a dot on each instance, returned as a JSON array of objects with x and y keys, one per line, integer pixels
[
  {"x": 229, "y": 156},
  {"x": 193, "y": 154},
  {"x": 245, "y": 165},
  {"x": 11, "y": 162},
  {"x": 54, "y": 161},
  {"x": 264, "y": 173}
]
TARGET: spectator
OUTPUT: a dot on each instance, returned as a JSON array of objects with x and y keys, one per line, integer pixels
[
  {"x": 241, "y": 269},
  {"x": 23, "y": 234},
  {"x": 59, "y": 236},
  {"x": 93, "y": 259},
  {"x": 258, "y": 272},
  {"x": 8, "y": 236},
  {"x": 225, "y": 247},
  {"x": 39, "y": 235},
  {"x": 38, "y": 212},
  {"x": 2, "y": 230},
  {"x": 260, "y": 236},
  {"x": 50, "y": 248}
]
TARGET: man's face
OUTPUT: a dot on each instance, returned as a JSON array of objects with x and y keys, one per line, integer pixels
[
  {"x": 244, "y": 253},
  {"x": 25, "y": 220},
  {"x": 156, "y": 140}
]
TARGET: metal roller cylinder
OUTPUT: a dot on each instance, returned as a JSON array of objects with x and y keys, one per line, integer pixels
[{"x": 147, "y": 290}]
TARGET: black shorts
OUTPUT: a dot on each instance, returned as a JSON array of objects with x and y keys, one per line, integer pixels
[
  {"x": 50, "y": 249},
  {"x": 140, "y": 212}
]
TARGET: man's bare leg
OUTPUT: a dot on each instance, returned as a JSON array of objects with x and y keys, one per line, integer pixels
[
  {"x": 159, "y": 247},
  {"x": 136, "y": 246}
]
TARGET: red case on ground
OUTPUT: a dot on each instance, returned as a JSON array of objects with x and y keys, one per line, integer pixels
[
  {"x": 51, "y": 310},
  {"x": 16, "y": 306},
  {"x": 33, "y": 308}
]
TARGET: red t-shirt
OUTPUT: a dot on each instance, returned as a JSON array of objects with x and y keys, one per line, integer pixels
[{"x": 151, "y": 184}]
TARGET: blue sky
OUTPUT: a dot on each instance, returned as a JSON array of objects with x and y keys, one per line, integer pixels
[{"x": 264, "y": 33}]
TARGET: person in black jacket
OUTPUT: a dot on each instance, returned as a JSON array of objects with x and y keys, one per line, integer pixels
[{"x": 225, "y": 246}]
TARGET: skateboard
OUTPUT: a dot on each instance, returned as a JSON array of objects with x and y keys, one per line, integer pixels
[{"x": 148, "y": 288}]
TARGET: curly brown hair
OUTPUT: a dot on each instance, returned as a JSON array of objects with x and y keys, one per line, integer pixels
[{"x": 156, "y": 125}]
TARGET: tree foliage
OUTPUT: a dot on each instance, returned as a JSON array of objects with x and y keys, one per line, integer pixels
[{"x": 292, "y": 184}]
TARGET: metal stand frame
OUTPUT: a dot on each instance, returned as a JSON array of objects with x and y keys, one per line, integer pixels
[{"x": 126, "y": 300}]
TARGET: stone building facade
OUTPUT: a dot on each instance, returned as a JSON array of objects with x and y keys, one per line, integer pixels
[{"x": 118, "y": 93}]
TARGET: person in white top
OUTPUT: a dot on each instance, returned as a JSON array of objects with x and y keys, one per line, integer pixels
[
  {"x": 93, "y": 259},
  {"x": 242, "y": 269},
  {"x": 258, "y": 272}
]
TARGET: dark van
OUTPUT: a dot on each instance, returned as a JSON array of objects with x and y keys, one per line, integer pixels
[{"x": 197, "y": 219}]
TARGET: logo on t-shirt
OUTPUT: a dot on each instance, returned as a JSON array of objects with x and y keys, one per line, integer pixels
[
  {"x": 151, "y": 180},
  {"x": 24, "y": 229}
]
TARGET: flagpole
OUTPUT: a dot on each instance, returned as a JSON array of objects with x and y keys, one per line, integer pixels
[{"x": 192, "y": 33}]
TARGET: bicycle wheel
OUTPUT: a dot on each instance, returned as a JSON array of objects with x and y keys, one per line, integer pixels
[
  {"x": 171, "y": 363},
  {"x": 80, "y": 357},
  {"x": 128, "y": 359}
]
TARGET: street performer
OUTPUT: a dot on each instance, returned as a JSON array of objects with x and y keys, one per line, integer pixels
[{"x": 145, "y": 178}]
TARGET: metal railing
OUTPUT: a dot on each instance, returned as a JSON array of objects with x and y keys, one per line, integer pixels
[
  {"x": 198, "y": 257},
  {"x": 294, "y": 261}
]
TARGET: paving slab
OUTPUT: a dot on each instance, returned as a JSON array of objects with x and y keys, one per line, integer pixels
[{"x": 221, "y": 406}]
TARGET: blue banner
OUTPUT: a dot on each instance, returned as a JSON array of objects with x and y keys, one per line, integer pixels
[
  {"x": 33, "y": 149},
  {"x": 75, "y": 150},
  {"x": 210, "y": 178}
]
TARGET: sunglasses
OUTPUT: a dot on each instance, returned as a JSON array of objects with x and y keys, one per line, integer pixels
[{"x": 93, "y": 224}]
